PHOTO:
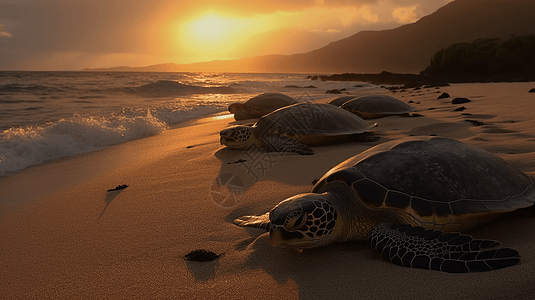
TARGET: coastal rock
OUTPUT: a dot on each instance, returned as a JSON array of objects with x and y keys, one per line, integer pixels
[
  {"x": 444, "y": 95},
  {"x": 333, "y": 91},
  {"x": 459, "y": 101},
  {"x": 201, "y": 255},
  {"x": 293, "y": 86}
]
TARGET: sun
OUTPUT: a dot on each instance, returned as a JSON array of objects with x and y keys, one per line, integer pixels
[
  {"x": 215, "y": 35},
  {"x": 210, "y": 28},
  {"x": 210, "y": 32}
]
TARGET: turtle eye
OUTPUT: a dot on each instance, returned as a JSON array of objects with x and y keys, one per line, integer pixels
[{"x": 297, "y": 221}]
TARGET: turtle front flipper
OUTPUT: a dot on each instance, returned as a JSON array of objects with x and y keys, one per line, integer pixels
[
  {"x": 416, "y": 247},
  {"x": 261, "y": 221},
  {"x": 279, "y": 143}
]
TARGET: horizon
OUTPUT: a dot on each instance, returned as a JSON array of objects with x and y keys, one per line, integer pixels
[{"x": 72, "y": 36}]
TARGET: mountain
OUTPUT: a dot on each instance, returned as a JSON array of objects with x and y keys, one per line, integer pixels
[{"x": 406, "y": 49}]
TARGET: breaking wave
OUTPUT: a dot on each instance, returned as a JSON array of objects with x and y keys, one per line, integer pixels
[{"x": 21, "y": 148}]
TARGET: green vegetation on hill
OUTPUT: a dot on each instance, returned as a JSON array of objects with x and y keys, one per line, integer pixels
[{"x": 486, "y": 57}]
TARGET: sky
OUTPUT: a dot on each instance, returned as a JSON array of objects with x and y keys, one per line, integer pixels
[{"x": 77, "y": 34}]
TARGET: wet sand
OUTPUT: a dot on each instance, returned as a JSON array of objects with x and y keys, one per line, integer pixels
[{"x": 62, "y": 235}]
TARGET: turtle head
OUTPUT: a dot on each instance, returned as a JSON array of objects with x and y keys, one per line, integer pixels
[
  {"x": 303, "y": 221},
  {"x": 237, "y": 137},
  {"x": 234, "y": 107}
]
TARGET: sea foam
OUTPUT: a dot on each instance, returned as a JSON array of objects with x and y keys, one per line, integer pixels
[{"x": 21, "y": 148}]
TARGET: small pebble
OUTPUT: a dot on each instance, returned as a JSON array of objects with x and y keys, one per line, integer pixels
[
  {"x": 119, "y": 187},
  {"x": 201, "y": 255},
  {"x": 459, "y": 101},
  {"x": 475, "y": 122},
  {"x": 443, "y": 95}
]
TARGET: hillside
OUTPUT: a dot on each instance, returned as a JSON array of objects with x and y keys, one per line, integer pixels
[{"x": 407, "y": 49}]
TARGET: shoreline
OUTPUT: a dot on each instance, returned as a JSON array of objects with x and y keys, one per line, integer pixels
[
  {"x": 75, "y": 239},
  {"x": 423, "y": 79}
]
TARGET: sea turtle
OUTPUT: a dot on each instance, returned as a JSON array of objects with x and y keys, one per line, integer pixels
[
  {"x": 292, "y": 128},
  {"x": 402, "y": 196},
  {"x": 376, "y": 106},
  {"x": 260, "y": 105},
  {"x": 341, "y": 100}
]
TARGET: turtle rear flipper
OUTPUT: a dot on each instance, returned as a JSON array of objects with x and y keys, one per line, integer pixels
[
  {"x": 261, "y": 221},
  {"x": 279, "y": 143},
  {"x": 416, "y": 247}
]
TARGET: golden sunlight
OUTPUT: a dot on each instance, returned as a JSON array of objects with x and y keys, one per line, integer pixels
[
  {"x": 210, "y": 28},
  {"x": 212, "y": 35}
]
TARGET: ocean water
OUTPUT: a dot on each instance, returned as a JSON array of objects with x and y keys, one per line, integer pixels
[{"x": 45, "y": 116}]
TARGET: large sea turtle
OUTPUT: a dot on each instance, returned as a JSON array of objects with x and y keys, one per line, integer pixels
[
  {"x": 341, "y": 100},
  {"x": 260, "y": 105},
  {"x": 292, "y": 128},
  {"x": 376, "y": 106},
  {"x": 402, "y": 196}
]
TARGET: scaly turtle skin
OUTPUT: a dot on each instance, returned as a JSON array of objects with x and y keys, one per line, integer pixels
[
  {"x": 260, "y": 105},
  {"x": 295, "y": 127},
  {"x": 376, "y": 106},
  {"x": 402, "y": 196}
]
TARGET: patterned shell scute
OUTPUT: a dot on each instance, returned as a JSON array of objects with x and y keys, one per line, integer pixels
[
  {"x": 433, "y": 175},
  {"x": 312, "y": 119}
]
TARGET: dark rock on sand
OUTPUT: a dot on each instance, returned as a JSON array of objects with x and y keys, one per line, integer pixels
[
  {"x": 475, "y": 122},
  {"x": 532, "y": 91},
  {"x": 459, "y": 101},
  {"x": 201, "y": 255},
  {"x": 333, "y": 91},
  {"x": 460, "y": 108},
  {"x": 293, "y": 86},
  {"x": 443, "y": 95},
  {"x": 119, "y": 187}
]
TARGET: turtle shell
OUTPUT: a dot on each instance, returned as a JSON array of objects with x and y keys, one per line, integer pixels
[
  {"x": 441, "y": 182},
  {"x": 377, "y": 106},
  {"x": 311, "y": 123},
  {"x": 341, "y": 100},
  {"x": 263, "y": 104},
  {"x": 269, "y": 102}
]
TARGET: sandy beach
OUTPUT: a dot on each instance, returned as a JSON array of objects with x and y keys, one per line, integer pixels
[{"x": 62, "y": 235}]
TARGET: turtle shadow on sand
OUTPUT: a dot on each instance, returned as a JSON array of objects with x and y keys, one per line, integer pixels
[
  {"x": 254, "y": 166},
  {"x": 202, "y": 271},
  {"x": 309, "y": 268},
  {"x": 110, "y": 195}
]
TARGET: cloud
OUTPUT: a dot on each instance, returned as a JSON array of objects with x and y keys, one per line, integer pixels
[
  {"x": 405, "y": 14},
  {"x": 362, "y": 14},
  {"x": 4, "y": 33},
  {"x": 149, "y": 32}
]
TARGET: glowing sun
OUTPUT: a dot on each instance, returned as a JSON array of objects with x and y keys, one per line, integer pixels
[
  {"x": 214, "y": 35},
  {"x": 210, "y": 27},
  {"x": 210, "y": 31}
]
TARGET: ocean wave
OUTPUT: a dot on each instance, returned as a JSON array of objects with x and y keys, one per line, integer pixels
[
  {"x": 167, "y": 88},
  {"x": 17, "y": 88},
  {"x": 16, "y": 101},
  {"x": 21, "y": 148}
]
